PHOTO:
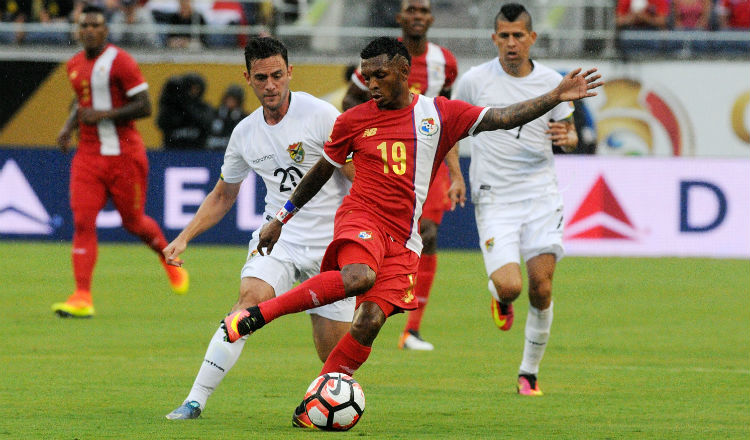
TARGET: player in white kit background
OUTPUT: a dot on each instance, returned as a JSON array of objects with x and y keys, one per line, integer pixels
[
  {"x": 280, "y": 141},
  {"x": 514, "y": 187}
]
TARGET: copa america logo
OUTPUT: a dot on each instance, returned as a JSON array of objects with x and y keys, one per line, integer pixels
[{"x": 642, "y": 120}]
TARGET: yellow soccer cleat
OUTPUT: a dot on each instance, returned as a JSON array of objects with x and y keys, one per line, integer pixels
[
  {"x": 179, "y": 280},
  {"x": 74, "y": 308}
]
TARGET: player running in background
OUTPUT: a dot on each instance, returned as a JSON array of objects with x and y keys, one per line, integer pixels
[
  {"x": 398, "y": 140},
  {"x": 280, "y": 142},
  {"x": 514, "y": 187},
  {"x": 111, "y": 160},
  {"x": 433, "y": 70}
]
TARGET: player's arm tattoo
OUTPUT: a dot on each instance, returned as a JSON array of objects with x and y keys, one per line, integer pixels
[
  {"x": 312, "y": 182},
  {"x": 517, "y": 114}
]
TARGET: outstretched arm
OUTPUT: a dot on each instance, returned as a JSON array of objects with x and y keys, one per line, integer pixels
[
  {"x": 574, "y": 85},
  {"x": 214, "y": 207},
  {"x": 306, "y": 190}
]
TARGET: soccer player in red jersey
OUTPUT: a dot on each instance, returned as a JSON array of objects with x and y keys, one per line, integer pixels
[
  {"x": 111, "y": 160},
  {"x": 398, "y": 140},
  {"x": 433, "y": 71}
]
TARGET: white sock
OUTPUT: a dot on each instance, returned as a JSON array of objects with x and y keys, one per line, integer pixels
[
  {"x": 538, "y": 323},
  {"x": 220, "y": 358},
  {"x": 493, "y": 290}
]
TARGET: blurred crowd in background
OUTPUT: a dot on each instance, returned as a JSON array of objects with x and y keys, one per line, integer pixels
[
  {"x": 188, "y": 122},
  {"x": 197, "y": 24}
]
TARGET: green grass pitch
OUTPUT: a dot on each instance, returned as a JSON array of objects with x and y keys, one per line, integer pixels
[{"x": 640, "y": 348}]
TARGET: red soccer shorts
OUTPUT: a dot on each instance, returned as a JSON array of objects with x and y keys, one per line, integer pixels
[
  {"x": 437, "y": 201},
  {"x": 93, "y": 178},
  {"x": 357, "y": 238}
]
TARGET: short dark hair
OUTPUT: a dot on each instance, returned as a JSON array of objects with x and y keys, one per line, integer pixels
[
  {"x": 258, "y": 48},
  {"x": 511, "y": 12},
  {"x": 92, "y": 9},
  {"x": 385, "y": 46}
]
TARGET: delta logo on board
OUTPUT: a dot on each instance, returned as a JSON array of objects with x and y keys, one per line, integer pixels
[
  {"x": 21, "y": 211},
  {"x": 600, "y": 216}
]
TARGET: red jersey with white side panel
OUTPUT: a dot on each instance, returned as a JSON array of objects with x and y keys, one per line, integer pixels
[
  {"x": 104, "y": 83},
  {"x": 396, "y": 154},
  {"x": 436, "y": 69}
]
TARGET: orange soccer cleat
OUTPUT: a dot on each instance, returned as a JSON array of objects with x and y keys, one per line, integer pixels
[
  {"x": 78, "y": 305},
  {"x": 179, "y": 280}
]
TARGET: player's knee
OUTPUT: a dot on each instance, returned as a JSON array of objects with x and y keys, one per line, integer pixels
[
  {"x": 508, "y": 290},
  {"x": 132, "y": 225},
  {"x": 357, "y": 278},
  {"x": 365, "y": 329},
  {"x": 540, "y": 293},
  {"x": 84, "y": 222}
]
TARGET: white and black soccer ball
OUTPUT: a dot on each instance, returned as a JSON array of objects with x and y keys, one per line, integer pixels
[{"x": 334, "y": 402}]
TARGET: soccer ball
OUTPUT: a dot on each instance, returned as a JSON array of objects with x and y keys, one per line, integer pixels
[{"x": 334, "y": 402}]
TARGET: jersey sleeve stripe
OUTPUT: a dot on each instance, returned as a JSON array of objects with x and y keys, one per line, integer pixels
[
  {"x": 137, "y": 89},
  {"x": 333, "y": 162},
  {"x": 359, "y": 80},
  {"x": 479, "y": 119}
]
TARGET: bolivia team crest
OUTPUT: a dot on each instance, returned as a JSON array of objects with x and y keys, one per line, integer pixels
[
  {"x": 428, "y": 126},
  {"x": 296, "y": 152},
  {"x": 489, "y": 244}
]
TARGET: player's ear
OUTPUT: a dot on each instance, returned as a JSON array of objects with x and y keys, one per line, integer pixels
[
  {"x": 246, "y": 74},
  {"x": 533, "y": 37},
  {"x": 289, "y": 71}
]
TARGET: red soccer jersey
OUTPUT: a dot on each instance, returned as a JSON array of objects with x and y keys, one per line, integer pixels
[
  {"x": 104, "y": 83},
  {"x": 396, "y": 154},
  {"x": 436, "y": 69}
]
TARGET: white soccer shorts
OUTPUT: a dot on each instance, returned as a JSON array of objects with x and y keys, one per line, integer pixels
[
  {"x": 288, "y": 264},
  {"x": 522, "y": 229}
]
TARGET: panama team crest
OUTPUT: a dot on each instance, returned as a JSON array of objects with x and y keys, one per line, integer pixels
[
  {"x": 296, "y": 152},
  {"x": 428, "y": 126}
]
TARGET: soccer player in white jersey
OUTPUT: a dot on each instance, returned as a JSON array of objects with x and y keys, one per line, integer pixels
[
  {"x": 280, "y": 141},
  {"x": 514, "y": 187}
]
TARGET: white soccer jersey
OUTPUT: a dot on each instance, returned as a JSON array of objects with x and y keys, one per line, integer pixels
[
  {"x": 281, "y": 154},
  {"x": 517, "y": 164}
]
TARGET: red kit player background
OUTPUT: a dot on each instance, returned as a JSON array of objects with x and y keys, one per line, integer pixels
[{"x": 110, "y": 162}]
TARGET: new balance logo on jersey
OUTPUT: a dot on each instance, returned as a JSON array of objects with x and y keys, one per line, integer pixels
[
  {"x": 369, "y": 132},
  {"x": 21, "y": 212},
  {"x": 600, "y": 216}
]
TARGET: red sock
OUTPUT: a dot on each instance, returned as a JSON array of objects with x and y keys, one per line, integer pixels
[
  {"x": 84, "y": 249},
  {"x": 425, "y": 277},
  {"x": 148, "y": 231},
  {"x": 322, "y": 289},
  {"x": 346, "y": 357}
]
